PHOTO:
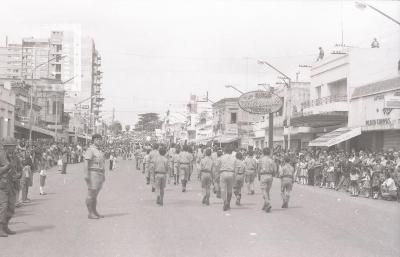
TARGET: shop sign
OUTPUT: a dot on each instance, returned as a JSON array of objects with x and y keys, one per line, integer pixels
[
  {"x": 385, "y": 121},
  {"x": 260, "y": 102}
]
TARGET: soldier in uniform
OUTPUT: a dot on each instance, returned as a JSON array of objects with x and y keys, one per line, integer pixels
[
  {"x": 239, "y": 177},
  {"x": 226, "y": 165},
  {"x": 287, "y": 178},
  {"x": 185, "y": 160},
  {"x": 160, "y": 174},
  {"x": 10, "y": 174},
  {"x": 94, "y": 175},
  {"x": 250, "y": 165},
  {"x": 170, "y": 156},
  {"x": 206, "y": 169},
  {"x": 266, "y": 169},
  {"x": 175, "y": 161},
  {"x": 146, "y": 166},
  {"x": 152, "y": 158}
]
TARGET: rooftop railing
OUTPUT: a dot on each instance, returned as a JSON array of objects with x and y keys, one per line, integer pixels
[{"x": 324, "y": 100}]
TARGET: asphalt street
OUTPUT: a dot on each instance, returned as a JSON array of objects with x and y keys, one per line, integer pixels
[{"x": 319, "y": 222}]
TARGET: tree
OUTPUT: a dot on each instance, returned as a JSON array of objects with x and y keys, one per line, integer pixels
[{"x": 148, "y": 122}]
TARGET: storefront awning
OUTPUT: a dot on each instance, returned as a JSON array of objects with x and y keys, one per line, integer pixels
[{"x": 335, "y": 137}]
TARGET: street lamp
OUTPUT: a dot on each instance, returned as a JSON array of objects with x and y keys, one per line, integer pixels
[
  {"x": 230, "y": 86},
  {"x": 287, "y": 80},
  {"x": 266, "y": 86},
  {"x": 363, "y": 6}
]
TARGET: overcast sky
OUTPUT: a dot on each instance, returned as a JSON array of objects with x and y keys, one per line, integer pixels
[{"x": 156, "y": 53}]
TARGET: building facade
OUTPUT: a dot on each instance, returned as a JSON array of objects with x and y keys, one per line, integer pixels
[{"x": 328, "y": 118}]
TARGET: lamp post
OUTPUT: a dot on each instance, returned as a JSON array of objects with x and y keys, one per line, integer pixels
[
  {"x": 230, "y": 86},
  {"x": 287, "y": 81},
  {"x": 363, "y": 6}
]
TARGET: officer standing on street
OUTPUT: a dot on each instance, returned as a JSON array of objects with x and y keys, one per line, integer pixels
[
  {"x": 10, "y": 174},
  {"x": 287, "y": 178},
  {"x": 94, "y": 175},
  {"x": 267, "y": 168}
]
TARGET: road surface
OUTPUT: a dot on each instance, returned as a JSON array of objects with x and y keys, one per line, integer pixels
[{"x": 319, "y": 222}]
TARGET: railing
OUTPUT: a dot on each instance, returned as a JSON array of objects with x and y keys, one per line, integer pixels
[{"x": 324, "y": 100}]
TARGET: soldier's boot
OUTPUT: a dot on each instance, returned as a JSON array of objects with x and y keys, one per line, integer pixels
[
  {"x": 158, "y": 200},
  {"x": 268, "y": 207},
  {"x": 225, "y": 207},
  {"x": 229, "y": 196},
  {"x": 147, "y": 181},
  {"x": 218, "y": 193},
  {"x": 208, "y": 200},
  {"x": 2, "y": 232},
  {"x": 174, "y": 179},
  {"x": 264, "y": 206},
  {"x": 7, "y": 229},
  {"x": 95, "y": 210},
  {"x": 153, "y": 189},
  {"x": 89, "y": 204},
  {"x": 204, "y": 200},
  {"x": 162, "y": 199},
  {"x": 239, "y": 197},
  {"x": 183, "y": 185}
]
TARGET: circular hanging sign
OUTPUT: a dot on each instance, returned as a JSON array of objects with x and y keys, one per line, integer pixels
[{"x": 260, "y": 102}]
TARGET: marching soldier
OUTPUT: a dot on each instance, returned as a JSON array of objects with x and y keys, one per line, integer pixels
[
  {"x": 170, "y": 156},
  {"x": 217, "y": 187},
  {"x": 206, "y": 169},
  {"x": 267, "y": 168},
  {"x": 185, "y": 160},
  {"x": 152, "y": 158},
  {"x": 10, "y": 174},
  {"x": 160, "y": 174},
  {"x": 94, "y": 175},
  {"x": 287, "y": 178},
  {"x": 239, "y": 177},
  {"x": 146, "y": 165},
  {"x": 250, "y": 171},
  {"x": 175, "y": 161},
  {"x": 226, "y": 165}
]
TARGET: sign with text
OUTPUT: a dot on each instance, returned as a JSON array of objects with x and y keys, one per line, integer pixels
[{"x": 260, "y": 102}]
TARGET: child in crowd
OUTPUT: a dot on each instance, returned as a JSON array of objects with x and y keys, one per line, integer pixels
[
  {"x": 354, "y": 181},
  {"x": 365, "y": 183}
]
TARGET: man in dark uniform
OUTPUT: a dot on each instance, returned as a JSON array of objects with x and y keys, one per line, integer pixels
[
  {"x": 10, "y": 174},
  {"x": 94, "y": 175}
]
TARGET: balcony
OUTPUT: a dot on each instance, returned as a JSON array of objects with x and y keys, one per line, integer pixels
[
  {"x": 326, "y": 111},
  {"x": 324, "y": 100}
]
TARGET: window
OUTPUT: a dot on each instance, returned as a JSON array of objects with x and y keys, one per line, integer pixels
[
  {"x": 318, "y": 91},
  {"x": 54, "y": 107},
  {"x": 233, "y": 117}
]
